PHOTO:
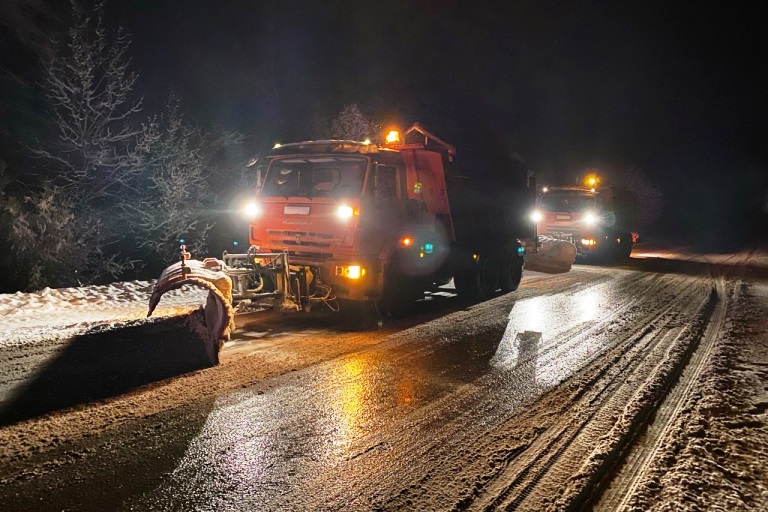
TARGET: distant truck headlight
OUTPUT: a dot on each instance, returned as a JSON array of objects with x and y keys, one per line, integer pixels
[
  {"x": 344, "y": 212},
  {"x": 536, "y": 216},
  {"x": 252, "y": 210},
  {"x": 590, "y": 219}
]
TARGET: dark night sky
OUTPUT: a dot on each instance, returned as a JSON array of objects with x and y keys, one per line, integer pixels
[
  {"x": 564, "y": 84},
  {"x": 673, "y": 89}
]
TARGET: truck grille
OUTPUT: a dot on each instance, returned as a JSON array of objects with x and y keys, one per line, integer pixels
[{"x": 300, "y": 238}]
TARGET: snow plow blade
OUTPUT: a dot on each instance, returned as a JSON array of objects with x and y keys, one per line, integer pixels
[
  {"x": 551, "y": 257},
  {"x": 216, "y": 317}
]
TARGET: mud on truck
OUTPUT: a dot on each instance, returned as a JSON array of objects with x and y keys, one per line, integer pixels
[{"x": 340, "y": 222}]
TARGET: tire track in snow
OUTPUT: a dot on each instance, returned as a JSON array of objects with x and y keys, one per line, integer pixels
[{"x": 588, "y": 411}]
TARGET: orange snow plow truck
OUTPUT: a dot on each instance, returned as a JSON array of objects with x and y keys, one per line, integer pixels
[
  {"x": 599, "y": 220},
  {"x": 339, "y": 221}
]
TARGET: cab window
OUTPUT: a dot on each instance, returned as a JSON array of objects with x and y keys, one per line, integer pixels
[{"x": 386, "y": 182}]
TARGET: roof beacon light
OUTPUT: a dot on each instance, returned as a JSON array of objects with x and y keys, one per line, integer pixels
[{"x": 592, "y": 180}]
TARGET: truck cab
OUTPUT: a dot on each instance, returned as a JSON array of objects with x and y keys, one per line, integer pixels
[{"x": 338, "y": 209}]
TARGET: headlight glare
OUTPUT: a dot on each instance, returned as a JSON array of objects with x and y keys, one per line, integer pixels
[
  {"x": 344, "y": 212},
  {"x": 252, "y": 210}
]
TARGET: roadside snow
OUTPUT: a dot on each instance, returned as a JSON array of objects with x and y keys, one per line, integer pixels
[{"x": 50, "y": 312}]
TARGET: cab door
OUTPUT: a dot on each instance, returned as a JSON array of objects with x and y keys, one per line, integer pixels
[{"x": 385, "y": 211}]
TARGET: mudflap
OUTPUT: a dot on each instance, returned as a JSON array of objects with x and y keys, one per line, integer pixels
[
  {"x": 216, "y": 317},
  {"x": 551, "y": 257}
]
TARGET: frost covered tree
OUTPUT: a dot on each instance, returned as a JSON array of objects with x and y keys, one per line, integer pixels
[
  {"x": 351, "y": 124},
  {"x": 174, "y": 189},
  {"x": 57, "y": 244},
  {"x": 89, "y": 87},
  {"x": 66, "y": 227},
  {"x": 111, "y": 189}
]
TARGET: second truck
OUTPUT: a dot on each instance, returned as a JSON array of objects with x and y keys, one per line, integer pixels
[{"x": 597, "y": 219}]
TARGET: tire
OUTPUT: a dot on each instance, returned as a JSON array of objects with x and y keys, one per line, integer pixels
[
  {"x": 465, "y": 282},
  {"x": 481, "y": 282},
  {"x": 625, "y": 246},
  {"x": 489, "y": 277},
  {"x": 398, "y": 297},
  {"x": 511, "y": 273}
]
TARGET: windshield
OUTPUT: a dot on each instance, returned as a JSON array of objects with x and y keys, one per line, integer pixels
[
  {"x": 554, "y": 202},
  {"x": 315, "y": 177}
]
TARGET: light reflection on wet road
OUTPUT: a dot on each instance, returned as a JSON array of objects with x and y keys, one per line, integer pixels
[{"x": 321, "y": 436}]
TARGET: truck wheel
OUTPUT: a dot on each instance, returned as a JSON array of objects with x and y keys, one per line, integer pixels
[
  {"x": 625, "y": 246},
  {"x": 465, "y": 282},
  {"x": 511, "y": 273},
  {"x": 489, "y": 277},
  {"x": 398, "y": 297},
  {"x": 481, "y": 282}
]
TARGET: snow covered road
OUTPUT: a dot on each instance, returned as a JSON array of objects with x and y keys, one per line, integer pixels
[{"x": 529, "y": 401}]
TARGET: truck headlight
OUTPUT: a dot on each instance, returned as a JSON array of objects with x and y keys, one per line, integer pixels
[
  {"x": 536, "y": 216},
  {"x": 590, "y": 219},
  {"x": 252, "y": 210},
  {"x": 344, "y": 212}
]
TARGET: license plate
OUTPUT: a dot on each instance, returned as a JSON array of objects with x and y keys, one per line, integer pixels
[
  {"x": 296, "y": 210},
  {"x": 563, "y": 216}
]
